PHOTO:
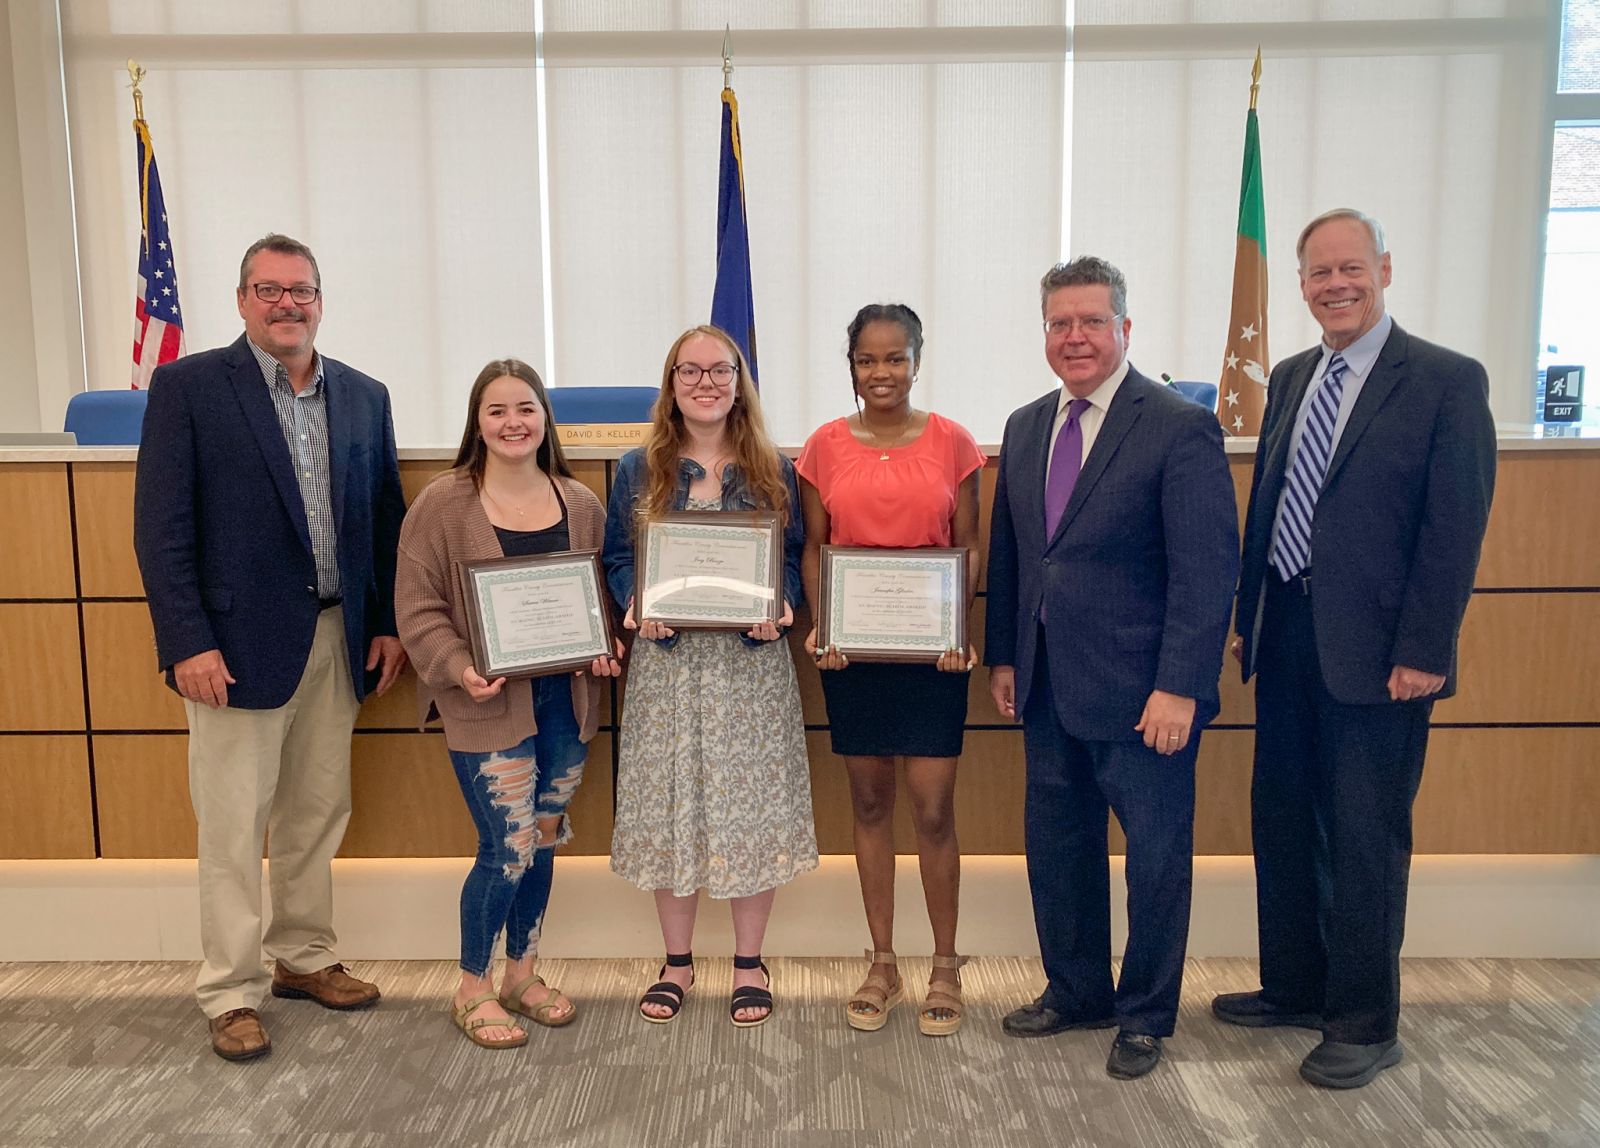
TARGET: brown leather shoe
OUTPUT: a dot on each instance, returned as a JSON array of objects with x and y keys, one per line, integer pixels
[
  {"x": 331, "y": 987},
  {"x": 238, "y": 1035}
]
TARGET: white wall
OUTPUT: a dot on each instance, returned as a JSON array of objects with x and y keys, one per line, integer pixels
[{"x": 19, "y": 387}]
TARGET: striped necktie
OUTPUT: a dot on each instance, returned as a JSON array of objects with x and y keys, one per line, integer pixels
[{"x": 1291, "y": 552}]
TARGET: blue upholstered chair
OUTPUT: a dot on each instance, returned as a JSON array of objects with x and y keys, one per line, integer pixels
[
  {"x": 1204, "y": 394},
  {"x": 107, "y": 418},
  {"x": 602, "y": 404}
]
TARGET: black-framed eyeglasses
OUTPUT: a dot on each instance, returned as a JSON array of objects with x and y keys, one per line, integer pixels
[
  {"x": 301, "y": 293},
  {"x": 722, "y": 374}
]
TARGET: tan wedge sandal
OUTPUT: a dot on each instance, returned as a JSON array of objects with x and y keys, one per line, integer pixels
[
  {"x": 941, "y": 995},
  {"x": 877, "y": 993}
]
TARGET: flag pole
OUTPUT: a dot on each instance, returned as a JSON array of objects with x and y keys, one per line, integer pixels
[
  {"x": 727, "y": 57},
  {"x": 1255, "y": 79},
  {"x": 136, "y": 74}
]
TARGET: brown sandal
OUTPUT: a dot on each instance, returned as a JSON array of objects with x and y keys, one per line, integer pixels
[
  {"x": 941, "y": 995},
  {"x": 544, "y": 1014},
  {"x": 471, "y": 1027},
  {"x": 877, "y": 993}
]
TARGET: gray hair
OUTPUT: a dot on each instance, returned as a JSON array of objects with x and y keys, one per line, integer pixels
[
  {"x": 1374, "y": 229},
  {"x": 280, "y": 245},
  {"x": 1086, "y": 271}
]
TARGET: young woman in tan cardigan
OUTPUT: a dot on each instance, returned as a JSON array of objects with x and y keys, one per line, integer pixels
[{"x": 518, "y": 747}]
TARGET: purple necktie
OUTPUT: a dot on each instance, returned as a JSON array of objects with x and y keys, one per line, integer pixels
[{"x": 1066, "y": 460}]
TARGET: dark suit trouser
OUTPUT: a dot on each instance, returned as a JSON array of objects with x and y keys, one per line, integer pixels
[
  {"x": 1331, "y": 822},
  {"x": 1071, "y": 784}
]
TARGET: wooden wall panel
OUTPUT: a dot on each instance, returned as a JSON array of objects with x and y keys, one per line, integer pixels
[
  {"x": 142, "y": 783},
  {"x": 416, "y": 474},
  {"x": 592, "y": 473},
  {"x": 1510, "y": 791},
  {"x": 407, "y": 802},
  {"x": 41, "y": 673},
  {"x": 1532, "y": 541},
  {"x": 46, "y": 809},
  {"x": 395, "y": 710},
  {"x": 1222, "y": 792},
  {"x": 34, "y": 507},
  {"x": 126, "y": 690},
  {"x": 103, "y": 493},
  {"x": 1528, "y": 658},
  {"x": 593, "y": 809},
  {"x": 989, "y": 790}
]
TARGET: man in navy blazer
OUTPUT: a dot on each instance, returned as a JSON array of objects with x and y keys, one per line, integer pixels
[
  {"x": 1113, "y": 555},
  {"x": 266, "y": 514},
  {"x": 1368, "y": 506}
]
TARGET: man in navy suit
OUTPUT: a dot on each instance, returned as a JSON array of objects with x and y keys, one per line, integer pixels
[
  {"x": 266, "y": 513},
  {"x": 1368, "y": 506},
  {"x": 1113, "y": 555}
]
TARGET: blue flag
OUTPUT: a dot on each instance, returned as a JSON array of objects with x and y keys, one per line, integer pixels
[{"x": 732, "y": 304}]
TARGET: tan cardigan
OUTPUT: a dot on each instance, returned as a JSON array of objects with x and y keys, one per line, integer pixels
[{"x": 446, "y": 525}]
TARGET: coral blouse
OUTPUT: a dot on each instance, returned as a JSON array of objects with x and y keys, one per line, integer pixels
[{"x": 900, "y": 496}]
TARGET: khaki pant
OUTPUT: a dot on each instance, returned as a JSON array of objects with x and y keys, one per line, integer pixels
[{"x": 286, "y": 770}]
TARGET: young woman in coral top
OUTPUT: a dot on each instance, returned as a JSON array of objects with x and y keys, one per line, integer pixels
[{"x": 894, "y": 476}]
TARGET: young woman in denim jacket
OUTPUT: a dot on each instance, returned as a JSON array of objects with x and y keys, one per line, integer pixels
[{"x": 713, "y": 783}]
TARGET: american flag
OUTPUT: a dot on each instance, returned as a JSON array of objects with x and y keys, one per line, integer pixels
[{"x": 157, "y": 323}]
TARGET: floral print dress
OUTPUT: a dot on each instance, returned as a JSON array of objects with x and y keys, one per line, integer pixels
[{"x": 713, "y": 784}]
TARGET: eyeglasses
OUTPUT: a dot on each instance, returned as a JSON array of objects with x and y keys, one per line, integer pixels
[
  {"x": 722, "y": 374},
  {"x": 1089, "y": 325},
  {"x": 272, "y": 292}
]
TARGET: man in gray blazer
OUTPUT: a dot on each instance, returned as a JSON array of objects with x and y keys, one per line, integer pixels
[
  {"x": 1113, "y": 555},
  {"x": 1375, "y": 467}
]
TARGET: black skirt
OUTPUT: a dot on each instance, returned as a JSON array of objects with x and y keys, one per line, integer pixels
[{"x": 894, "y": 709}]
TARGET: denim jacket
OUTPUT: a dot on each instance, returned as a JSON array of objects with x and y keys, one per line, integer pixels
[{"x": 627, "y": 486}]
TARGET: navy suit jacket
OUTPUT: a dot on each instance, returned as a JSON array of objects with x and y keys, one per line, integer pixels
[
  {"x": 220, "y": 527},
  {"x": 1400, "y": 520},
  {"x": 1138, "y": 579}
]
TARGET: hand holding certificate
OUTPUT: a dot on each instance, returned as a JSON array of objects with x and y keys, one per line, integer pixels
[
  {"x": 893, "y": 605},
  {"x": 710, "y": 570},
  {"x": 543, "y": 614}
]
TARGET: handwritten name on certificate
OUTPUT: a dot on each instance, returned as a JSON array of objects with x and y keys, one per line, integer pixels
[
  {"x": 534, "y": 617},
  {"x": 710, "y": 569},
  {"x": 899, "y": 602}
]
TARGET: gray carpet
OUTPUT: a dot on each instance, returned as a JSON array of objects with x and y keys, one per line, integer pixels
[{"x": 1499, "y": 1054}]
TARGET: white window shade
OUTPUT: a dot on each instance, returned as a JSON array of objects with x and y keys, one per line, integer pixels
[
  {"x": 910, "y": 151},
  {"x": 936, "y": 185}
]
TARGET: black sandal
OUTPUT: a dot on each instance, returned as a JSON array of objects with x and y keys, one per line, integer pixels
[
  {"x": 750, "y": 996},
  {"x": 665, "y": 992}
]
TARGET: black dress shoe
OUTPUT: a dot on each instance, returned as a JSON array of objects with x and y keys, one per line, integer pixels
[
  {"x": 1133, "y": 1054},
  {"x": 1253, "y": 1010},
  {"x": 1038, "y": 1019},
  {"x": 1333, "y": 1064}
]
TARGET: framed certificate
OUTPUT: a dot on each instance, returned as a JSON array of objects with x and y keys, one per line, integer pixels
[
  {"x": 893, "y": 605},
  {"x": 541, "y": 614},
  {"x": 709, "y": 569}
]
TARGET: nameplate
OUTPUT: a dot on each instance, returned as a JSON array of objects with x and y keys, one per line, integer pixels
[{"x": 603, "y": 434}]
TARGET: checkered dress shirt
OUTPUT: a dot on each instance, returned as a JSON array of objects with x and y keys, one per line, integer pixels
[{"x": 304, "y": 419}]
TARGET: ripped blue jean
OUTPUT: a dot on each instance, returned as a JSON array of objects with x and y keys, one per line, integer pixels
[{"x": 507, "y": 792}]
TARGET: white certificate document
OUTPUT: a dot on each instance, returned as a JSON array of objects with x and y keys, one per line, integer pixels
[{"x": 710, "y": 573}]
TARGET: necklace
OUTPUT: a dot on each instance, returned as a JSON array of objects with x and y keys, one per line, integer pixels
[
  {"x": 548, "y": 490},
  {"x": 884, "y": 442}
]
